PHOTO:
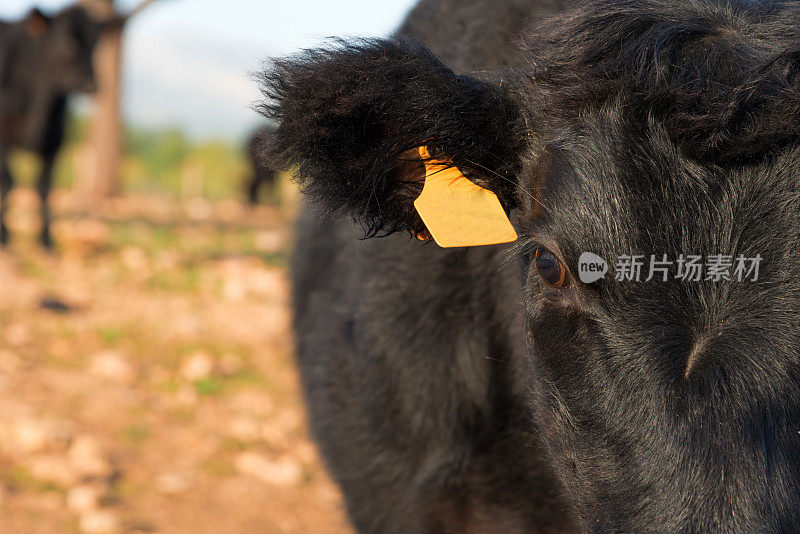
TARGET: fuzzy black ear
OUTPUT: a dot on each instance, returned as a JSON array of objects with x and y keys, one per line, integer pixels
[
  {"x": 352, "y": 116},
  {"x": 36, "y": 23}
]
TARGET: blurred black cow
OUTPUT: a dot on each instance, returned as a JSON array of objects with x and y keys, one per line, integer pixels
[
  {"x": 42, "y": 60},
  {"x": 264, "y": 174}
]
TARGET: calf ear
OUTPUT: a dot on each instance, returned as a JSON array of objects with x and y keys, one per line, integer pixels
[
  {"x": 36, "y": 23},
  {"x": 353, "y": 117}
]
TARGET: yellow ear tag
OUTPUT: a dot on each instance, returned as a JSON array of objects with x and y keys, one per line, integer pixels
[{"x": 457, "y": 212}]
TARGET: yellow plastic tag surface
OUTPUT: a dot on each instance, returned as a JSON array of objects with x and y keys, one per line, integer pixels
[{"x": 457, "y": 212}]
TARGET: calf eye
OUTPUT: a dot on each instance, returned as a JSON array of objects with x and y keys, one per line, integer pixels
[{"x": 550, "y": 269}]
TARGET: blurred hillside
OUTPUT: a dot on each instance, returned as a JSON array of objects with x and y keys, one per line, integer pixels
[{"x": 163, "y": 161}]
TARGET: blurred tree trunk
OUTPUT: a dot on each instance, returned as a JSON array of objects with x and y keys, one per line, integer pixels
[
  {"x": 104, "y": 153},
  {"x": 106, "y": 124}
]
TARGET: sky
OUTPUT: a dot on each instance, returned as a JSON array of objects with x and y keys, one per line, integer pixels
[{"x": 188, "y": 63}]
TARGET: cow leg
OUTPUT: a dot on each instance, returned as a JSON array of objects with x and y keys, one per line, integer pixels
[
  {"x": 252, "y": 189},
  {"x": 43, "y": 188},
  {"x": 6, "y": 183}
]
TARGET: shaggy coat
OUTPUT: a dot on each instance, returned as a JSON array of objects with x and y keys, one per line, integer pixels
[{"x": 454, "y": 390}]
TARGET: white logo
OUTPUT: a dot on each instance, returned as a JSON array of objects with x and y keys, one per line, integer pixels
[{"x": 591, "y": 267}]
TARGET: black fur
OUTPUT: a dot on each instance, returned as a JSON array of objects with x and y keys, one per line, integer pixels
[
  {"x": 721, "y": 76},
  {"x": 449, "y": 394},
  {"x": 353, "y": 111},
  {"x": 42, "y": 60},
  {"x": 263, "y": 171}
]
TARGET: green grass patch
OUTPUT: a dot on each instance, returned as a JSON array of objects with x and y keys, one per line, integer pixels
[
  {"x": 209, "y": 386},
  {"x": 137, "y": 433},
  {"x": 111, "y": 335},
  {"x": 18, "y": 477},
  {"x": 184, "y": 279}
]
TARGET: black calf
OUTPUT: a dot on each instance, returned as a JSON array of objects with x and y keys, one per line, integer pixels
[
  {"x": 450, "y": 394},
  {"x": 42, "y": 60}
]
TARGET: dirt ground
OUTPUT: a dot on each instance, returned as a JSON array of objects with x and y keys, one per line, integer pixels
[{"x": 146, "y": 377}]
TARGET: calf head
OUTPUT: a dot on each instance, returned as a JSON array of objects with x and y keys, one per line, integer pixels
[
  {"x": 61, "y": 48},
  {"x": 660, "y": 130}
]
